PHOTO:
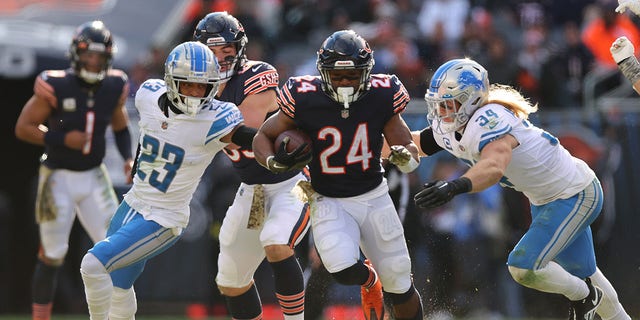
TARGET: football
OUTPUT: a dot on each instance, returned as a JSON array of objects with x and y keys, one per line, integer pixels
[{"x": 296, "y": 138}]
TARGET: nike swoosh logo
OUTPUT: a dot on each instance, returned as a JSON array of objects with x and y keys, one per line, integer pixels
[{"x": 255, "y": 69}]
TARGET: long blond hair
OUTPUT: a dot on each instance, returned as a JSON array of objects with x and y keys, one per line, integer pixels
[{"x": 512, "y": 99}]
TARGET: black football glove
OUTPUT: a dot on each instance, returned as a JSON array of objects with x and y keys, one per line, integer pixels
[
  {"x": 284, "y": 161},
  {"x": 437, "y": 193}
]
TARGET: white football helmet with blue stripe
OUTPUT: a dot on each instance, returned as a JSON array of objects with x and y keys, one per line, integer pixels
[
  {"x": 191, "y": 62},
  {"x": 456, "y": 90}
]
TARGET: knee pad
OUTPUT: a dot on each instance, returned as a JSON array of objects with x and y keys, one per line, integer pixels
[
  {"x": 351, "y": 275},
  {"x": 522, "y": 276},
  {"x": 395, "y": 274},
  {"x": 90, "y": 265},
  {"x": 123, "y": 304},
  {"x": 56, "y": 261}
]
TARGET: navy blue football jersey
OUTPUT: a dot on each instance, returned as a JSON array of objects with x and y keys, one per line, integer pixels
[
  {"x": 77, "y": 106},
  {"x": 346, "y": 148},
  {"x": 254, "y": 77}
]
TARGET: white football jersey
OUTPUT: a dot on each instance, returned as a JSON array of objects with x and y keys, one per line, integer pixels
[
  {"x": 540, "y": 167},
  {"x": 174, "y": 153}
]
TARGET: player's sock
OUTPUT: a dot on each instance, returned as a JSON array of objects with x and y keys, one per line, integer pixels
[
  {"x": 123, "y": 304},
  {"x": 43, "y": 288},
  {"x": 97, "y": 287},
  {"x": 41, "y": 311},
  {"x": 372, "y": 278},
  {"x": 246, "y": 305},
  {"x": 610, "y": 307},
  {"x": 407, "y": 305},
  {"x": 289, "y": 284}
]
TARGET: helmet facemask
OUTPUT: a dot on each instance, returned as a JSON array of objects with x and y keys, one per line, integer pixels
[
  {"x": 456, "y": 90},
  {"x": 219, "y": 29},
  {"x": 345, "y": 50},
  {"x": 191, "y": 62},
  {"x": 91, "y": 37}
]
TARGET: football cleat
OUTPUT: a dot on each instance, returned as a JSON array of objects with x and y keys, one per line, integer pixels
[
  {"x": 372, "y": 299},
  {"x": 585, "y": 309}
]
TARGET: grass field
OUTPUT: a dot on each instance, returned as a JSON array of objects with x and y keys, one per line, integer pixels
[{"x": 84, "y": 317}]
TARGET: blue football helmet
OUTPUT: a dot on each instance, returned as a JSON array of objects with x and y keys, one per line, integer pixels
[
  {"x": 456, "y": 90},
  {"x": 191, "y": 62}
]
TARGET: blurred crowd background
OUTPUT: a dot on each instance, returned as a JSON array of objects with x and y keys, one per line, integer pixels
[{"x": 555, "y": 52}]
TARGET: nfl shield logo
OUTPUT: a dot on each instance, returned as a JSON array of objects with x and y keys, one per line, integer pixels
[{"x": 164, "y": 125}]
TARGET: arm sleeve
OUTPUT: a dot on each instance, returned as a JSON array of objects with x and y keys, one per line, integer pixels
[
  {"x": 244, "y": 136},
  {"x": 428, "y": 143},
  {"x": 123, "y": 142}
]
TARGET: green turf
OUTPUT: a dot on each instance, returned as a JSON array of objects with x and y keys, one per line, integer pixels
[{"x": 84, "y": 317}]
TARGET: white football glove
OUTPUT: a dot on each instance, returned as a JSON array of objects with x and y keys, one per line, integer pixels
[
  {"x": 621, "y": 49},
  {"x": 633, "y": 5},
  {"x": 402, "y": 158}
]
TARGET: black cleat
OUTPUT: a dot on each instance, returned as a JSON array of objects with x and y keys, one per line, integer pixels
[{"x": 585, "y": 309}]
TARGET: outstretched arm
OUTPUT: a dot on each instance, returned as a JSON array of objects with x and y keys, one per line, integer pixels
[{"x": 623, "y": 53}]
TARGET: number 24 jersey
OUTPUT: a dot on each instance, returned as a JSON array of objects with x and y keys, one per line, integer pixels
[{"x": 346, "y": 144}]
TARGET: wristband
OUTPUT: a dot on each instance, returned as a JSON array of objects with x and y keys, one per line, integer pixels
[
  {"x": 54, "y": 138},
  {"x": 409, "y": 166},
  {"x": 123, "y": 142},
  {"x": 461, "y": 185}
]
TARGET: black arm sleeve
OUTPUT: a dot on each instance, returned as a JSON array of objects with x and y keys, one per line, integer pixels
[
  {"x": 123, "y": 142},
  {"x": 244, "y": 136},
  {"x": 428, "y": 143}
]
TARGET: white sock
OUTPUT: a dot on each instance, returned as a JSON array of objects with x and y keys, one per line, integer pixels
[
  {"x": 97, "y": 287},
  {"x": 610, "y": 308},
  {"x": 123, "y": 304},
  {"x": 553, "y": 279}
]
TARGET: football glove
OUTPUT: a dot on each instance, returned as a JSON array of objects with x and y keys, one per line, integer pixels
[
  {"x": 621, "y": 49},
  {"x": 437, "y": 193},
  {"x": 284, "y": 161},
  {"x": 633, "y": 5},
  {"x": 402, "y": 158}
]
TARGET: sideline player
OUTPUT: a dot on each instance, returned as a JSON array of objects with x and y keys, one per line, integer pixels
[{"x": 77, "y": 105}]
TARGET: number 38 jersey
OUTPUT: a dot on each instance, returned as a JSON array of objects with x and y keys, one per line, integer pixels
[
  {"x": 540, "y": 167},
  {"x": 346, "y": 144},
  {"x": 174, "y": 152}
]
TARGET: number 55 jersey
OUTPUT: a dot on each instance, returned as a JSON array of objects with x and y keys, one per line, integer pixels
[{"x": 175, "y": 149}]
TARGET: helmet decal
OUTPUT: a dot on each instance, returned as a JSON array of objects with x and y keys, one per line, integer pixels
[
  {"x": 456, "y": 90},
  {"x": 191, "y": 62}
]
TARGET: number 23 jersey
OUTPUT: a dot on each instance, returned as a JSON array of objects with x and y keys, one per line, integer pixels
[
  {"x": 346, "y": 147},
  {"x": 174, "y": 152}
]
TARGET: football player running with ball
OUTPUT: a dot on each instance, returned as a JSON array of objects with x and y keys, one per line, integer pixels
[
  {"x": 345, "y": 111},
  {"x": 486, "y": 126},
  {"x": 181, "y": 129}
]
